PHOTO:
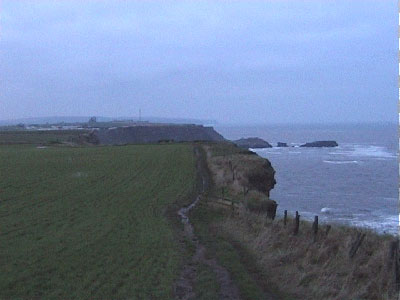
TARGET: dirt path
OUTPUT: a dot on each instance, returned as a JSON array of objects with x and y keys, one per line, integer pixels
[{"x": 184, "y": 288}]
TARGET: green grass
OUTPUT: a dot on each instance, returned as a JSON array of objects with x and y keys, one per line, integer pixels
[
  {"x": 225, "y": 148},
  {"x": 39, "y": 137},
  {"x": 224, "y": 251},
  {"x": 206, "y": 286},
  {"x": 80, "y": 223}
]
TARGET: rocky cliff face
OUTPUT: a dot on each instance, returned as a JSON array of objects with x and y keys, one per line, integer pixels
[
  {"x": 240, "y": 171},
  {"x": 154, "y": 134}
]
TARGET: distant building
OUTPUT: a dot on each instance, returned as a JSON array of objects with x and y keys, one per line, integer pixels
[{"x": 92, "y": 120}]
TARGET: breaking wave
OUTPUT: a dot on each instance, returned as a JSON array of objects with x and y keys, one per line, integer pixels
[
  {"x": 341, "y": 162},
  {"x": 366, "y": 151}
]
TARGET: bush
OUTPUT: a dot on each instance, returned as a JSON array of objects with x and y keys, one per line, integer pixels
[
  {"x": 247, "y": 152},
  {"x": 259, "y": 203},
  {"x": 55, "y": 142}
]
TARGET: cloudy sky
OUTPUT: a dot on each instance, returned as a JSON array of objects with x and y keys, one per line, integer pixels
[{"x": 232, "y": 61}]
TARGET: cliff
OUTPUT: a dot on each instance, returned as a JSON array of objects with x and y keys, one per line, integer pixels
[
  {"x": 239, "y": 170},
  {"x": 153, "y": 133}
]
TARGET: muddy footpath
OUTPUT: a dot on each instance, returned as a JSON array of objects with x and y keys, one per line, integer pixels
[{"x": 184, "y": 288}]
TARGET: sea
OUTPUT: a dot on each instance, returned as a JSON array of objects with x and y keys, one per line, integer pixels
[{"x": 356, "y": 183}]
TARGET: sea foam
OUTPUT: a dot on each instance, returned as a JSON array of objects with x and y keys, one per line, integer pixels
[
  {"x": 366, "y": 151},
  {"x": 341, "y": 162}
]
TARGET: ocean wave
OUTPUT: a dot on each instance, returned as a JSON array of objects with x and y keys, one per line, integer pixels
[
  {"x": 378, "y": 152},
  {"x": 381, "y": 224},
  {"x": 262, "y": 149},
  {"x": 388, "y": 224},
  {"x": 390, "y": 198},
  {"x": 267, "y": 150},
  {"x": 328, "y": 210},
  {"x": 374, "y": 151},
  {"x": 341, "y": 162}
]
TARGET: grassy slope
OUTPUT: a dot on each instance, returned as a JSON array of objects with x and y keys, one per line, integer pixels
[
  {"x": 239, "y": 263},
  {"x": 90, "y": 222},
  {"x": 203, "y": 218},
  {"x": 267, "y": 253},
  {"x": 307, "y": 270}
]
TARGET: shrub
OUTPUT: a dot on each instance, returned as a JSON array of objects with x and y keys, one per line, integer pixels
[
  {"x": 55, "y": 142},
  {"x": 258, "y": 203}
]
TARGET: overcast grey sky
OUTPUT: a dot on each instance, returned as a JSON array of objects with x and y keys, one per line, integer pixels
[{"x": 232, "y": 61}]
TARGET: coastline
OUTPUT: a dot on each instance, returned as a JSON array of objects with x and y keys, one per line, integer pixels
[
  {"x": 339, "y": 262},
  {"x": 352, "y": 184}
]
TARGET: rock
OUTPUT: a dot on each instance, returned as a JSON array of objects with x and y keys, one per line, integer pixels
[
  {"x": 257, "y": 174},
  {"x": 321, "y": 144},
  {"x": 262, "y": 206},
  {"x": 282, "y": 144},
  {"x": 252, "y": 143},
  {"x": 241, "y": 172}
]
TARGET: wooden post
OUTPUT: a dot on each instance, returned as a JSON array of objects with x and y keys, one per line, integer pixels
[
  {"x": 232, "y": 170},
  {"x": 285, "y": 217},
  {"x": 271, "y": 211},
  {"x": 315, "y": 228},
  {"x": 274, "y": 212},
  {"x": 394, "y": 263},
  {"x": 392, "y": 252},
  {"x": 397, "y": 267},
  {"x": 328, "y": 228},
  {"x": 223, "y": 193},
  {"x": 357, "y": 243},
  {"x": 296, "y": 224}
]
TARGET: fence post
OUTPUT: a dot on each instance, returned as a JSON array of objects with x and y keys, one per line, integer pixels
[
  {"x": 315, "y": 228},
  {"x": 297, "y": 223},
  {"x": 391, "y": 254},
  {"x": 397, "y": 267},
  {"x": 274, "y": 211},
  {"x": 285, "y": 217},
  {"x": 394, "y": 263},
  {"x": 357, "y": 243},
  {"x": 271, "y": 211},
  {"x": 328, "y": 228}
]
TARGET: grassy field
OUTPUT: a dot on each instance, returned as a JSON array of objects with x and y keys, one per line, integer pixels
[
  {"x": 79, "y": 223},
  {"x": 39, "y": 137},
  {"x": 101, "y": 223}
]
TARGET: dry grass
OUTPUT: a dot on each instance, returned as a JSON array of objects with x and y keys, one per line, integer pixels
[
  {"x": 296, "y": 264},
  {"x": 308, "y": 270},
  {"x": 239, "y": 171}
]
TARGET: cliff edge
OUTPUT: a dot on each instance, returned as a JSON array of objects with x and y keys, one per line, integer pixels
[{"x": 153, "y": 134}]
